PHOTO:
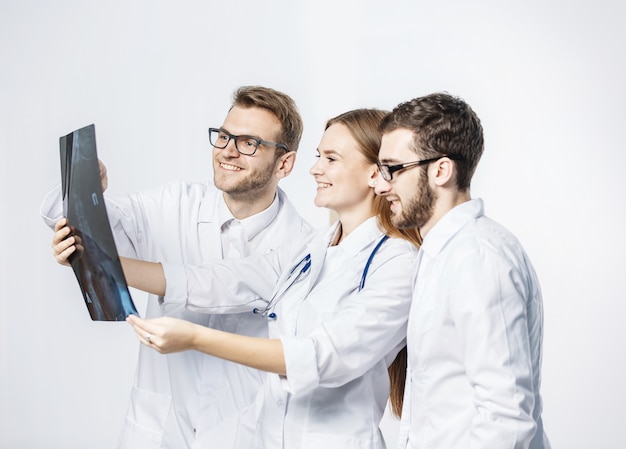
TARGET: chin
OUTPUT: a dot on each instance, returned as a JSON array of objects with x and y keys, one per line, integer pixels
[{"x": 400, "y": 222}]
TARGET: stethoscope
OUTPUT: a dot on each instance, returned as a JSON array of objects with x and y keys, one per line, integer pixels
[{"x": 304, "y": 265}]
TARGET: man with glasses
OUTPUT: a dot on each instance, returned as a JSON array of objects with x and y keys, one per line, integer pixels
[
  {"x": 190, "y": 400},
  {"x": 475, "y": 329}
]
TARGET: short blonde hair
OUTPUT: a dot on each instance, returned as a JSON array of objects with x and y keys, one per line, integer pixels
[{"x": 280, "y": 105}]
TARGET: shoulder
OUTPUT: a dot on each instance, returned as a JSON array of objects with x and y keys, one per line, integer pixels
[
  {"x": 184, "y": 192},
  {"x": 397, "y": 247},
  {"x": 400, "y": 253},
  {"x": 391, "y": 267},
  {"x": 486, "y": 250},
  {"x": 401, "y": 245},
  {"x": 484, "y": 236},
  {"x": 178, "y": 189},
  {"x": 289, "y": 216},
  {"x": 171, "y": 197}
]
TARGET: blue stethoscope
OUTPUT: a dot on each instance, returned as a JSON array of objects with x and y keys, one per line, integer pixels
[{"x": 304, "y": 265}]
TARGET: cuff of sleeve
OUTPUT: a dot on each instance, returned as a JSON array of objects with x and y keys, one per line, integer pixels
[
  {"x": 175, "y": 283},
  {"x": 51, "y": 209},
  {"x": 301, "y": 365}
]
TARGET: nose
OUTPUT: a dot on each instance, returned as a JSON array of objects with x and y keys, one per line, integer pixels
[
  {"x": 382, "y": 187},
  {"x": 230, "y": 150},
  {"x": 316, "y": 169}
]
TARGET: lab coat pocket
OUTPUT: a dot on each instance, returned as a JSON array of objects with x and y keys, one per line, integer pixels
[
  {"x": 237, "y": 431},
  {"x": 145, "y": 420}
]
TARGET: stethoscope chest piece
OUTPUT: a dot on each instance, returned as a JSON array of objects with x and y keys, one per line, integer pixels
[{"x": 304, "y": 265}]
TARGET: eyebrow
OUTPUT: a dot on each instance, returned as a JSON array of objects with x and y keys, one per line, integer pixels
[
  {"x": 328, "y": 152},
  {"x": 389, "y": 161},
  {"x": 242, "y": 135}
]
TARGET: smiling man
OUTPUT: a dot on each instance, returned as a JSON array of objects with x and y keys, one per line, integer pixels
[
  {"x": 191, "y": 400},
  {"x": 475, "y": 329}
]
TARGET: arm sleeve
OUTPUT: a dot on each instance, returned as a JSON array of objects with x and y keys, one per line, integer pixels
[
  {"x": 369, "y": 326},
  {"x": 125, "y": 217},
  {"x": 490, "y": 310},
  {"x": 223, "y": 286},
  {"x": 51, "y": 209}
]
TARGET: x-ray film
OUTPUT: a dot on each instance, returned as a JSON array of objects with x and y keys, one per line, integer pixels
[{"x": 95, "y": 263}]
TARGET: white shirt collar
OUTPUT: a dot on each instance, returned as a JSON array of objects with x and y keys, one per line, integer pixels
[{"x": 251, "y": 225}]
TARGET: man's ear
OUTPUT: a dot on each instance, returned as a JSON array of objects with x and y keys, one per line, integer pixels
[
  {"x": 443, "y": 172},
  {"x": 284, "y": 164}
]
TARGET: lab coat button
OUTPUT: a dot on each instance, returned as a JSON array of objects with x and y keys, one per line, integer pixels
[{"x": 279, "y": 402}]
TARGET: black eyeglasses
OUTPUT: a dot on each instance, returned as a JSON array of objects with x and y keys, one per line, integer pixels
[
  {"x": 244, "y": 144},
  {"x": 387, "y": 171}
]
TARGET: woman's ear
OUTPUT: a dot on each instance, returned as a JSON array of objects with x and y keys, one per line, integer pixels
[{"x": 373, "y": 177}]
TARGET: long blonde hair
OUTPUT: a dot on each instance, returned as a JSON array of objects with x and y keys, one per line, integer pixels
[{"x": 363, "y": 124}]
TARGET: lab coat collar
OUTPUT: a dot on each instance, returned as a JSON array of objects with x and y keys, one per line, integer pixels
[
  {"x": 450, "y": 224},
  {"x": 366, "y": 233}
]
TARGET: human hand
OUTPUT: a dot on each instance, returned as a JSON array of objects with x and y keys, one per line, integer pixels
[
  {"x": 64, "y": 243},
  {"x": 164, "y": 334},
  {"x": 104, "y": 179}
]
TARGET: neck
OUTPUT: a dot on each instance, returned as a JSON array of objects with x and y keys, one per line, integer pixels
[
  {"x": 338, "y": 236},
  {"x": 349, "y": 222},
  {"x": 245, "y": 205},
  {"x": 443, "y": 205}
]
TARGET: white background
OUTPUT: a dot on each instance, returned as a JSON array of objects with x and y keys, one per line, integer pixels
[{"x": 546, "y": 78}]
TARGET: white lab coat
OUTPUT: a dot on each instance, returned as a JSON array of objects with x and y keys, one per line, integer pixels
[
  {"x": 188, "y": 400},
  {"x": 474, "y": 340},
  {"x": 338, "y": 341}
]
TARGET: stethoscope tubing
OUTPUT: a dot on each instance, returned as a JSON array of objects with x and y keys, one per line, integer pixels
[{"x": 306, "y": 260}]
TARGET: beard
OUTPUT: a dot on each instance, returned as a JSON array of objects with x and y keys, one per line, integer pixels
[
  {"x": 418, "y": 209},
  {"x": 252, "y": 186}
]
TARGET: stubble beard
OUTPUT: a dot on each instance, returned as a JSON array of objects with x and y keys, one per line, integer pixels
[{"x": 249, "y": 187}]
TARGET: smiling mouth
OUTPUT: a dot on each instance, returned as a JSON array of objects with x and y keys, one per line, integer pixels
[
  {"x": 323, "y": 185},
  {"x": 393, "y": 204},
  {"x": 229, "y": 167}
]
